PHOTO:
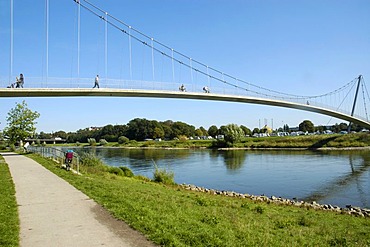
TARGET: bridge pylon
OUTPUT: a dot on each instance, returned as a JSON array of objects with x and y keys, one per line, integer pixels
[{"x": 354, "y": 101}]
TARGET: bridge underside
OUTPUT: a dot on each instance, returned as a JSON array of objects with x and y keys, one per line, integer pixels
[{"x": 73, "y": 92}]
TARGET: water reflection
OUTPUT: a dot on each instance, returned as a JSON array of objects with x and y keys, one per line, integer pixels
[
  {"x": 359, "y": 163},
  {"x": 333, "y": 177},
  {"x": 234, "y": 159}
]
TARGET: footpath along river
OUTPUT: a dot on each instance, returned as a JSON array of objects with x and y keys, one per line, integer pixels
[{"x": 328, "y": 177}]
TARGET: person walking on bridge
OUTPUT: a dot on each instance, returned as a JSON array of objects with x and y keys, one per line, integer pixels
[{"x": 96, "y": 81}]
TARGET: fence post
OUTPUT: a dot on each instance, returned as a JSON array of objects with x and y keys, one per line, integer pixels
[{"x": 78, "y": 167}]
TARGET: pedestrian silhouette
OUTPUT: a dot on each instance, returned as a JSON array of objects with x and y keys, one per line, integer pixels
[{"x": 96, "y": 82}]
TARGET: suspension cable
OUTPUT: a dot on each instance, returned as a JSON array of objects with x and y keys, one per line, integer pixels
[
  {"x": 363, "y": 96},
  {"x": 11, "y": 41},
  {"x": 280, "y": 95},
  {"x": 47, "y": 41}
]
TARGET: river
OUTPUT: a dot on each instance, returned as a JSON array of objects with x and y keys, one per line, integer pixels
[{"x": 327, "y": 177}]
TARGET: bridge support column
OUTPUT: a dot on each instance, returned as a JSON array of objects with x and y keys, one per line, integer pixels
[{"x": 354, "y": 101}]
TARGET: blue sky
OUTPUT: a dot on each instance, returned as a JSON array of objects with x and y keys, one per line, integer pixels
[{"x": 300, "y": 47}]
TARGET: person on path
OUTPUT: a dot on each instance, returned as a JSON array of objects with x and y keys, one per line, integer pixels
[{"x": 96, "y": 81}]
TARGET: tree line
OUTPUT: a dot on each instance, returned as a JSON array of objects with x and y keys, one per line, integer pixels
[
  {"x": 141, "y": 129},
  {"x": 21, "y": 125}
]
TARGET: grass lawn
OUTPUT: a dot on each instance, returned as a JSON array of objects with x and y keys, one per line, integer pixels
[
  {"x": 9, "y": 223},
  {"x": 172, "y": 216}
]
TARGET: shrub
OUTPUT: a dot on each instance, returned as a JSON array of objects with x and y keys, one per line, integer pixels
[
  {"x": 91, "y": 160},
  {"x": 78, "y": 143},
  {"x": 220, "y": 143},
  {"x": 182, "y": 138},
  {"x": 126, "y": 171},
  {"x": 123, "y": 140},
  {"x": 143, "y": 178},
  {"x": 103, "y": 142},
  {"x": 115, "y": 170},
  {"x": 148, "y": 144},
  {"x": 91, "y": 141},
  {"x": 303, "y": 221},
  {"x": 163, "y": 176},
  {"x": 259, "y": 209},
  {"x": 133, "y": 142}
]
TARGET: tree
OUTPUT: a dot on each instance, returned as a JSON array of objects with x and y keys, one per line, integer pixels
[
  {"x": 212, "y": 131},
  {"x": 256, "y": 130},
  {"x": 306, "y": 126},
  {"x": 180, "y": 128},
  {"x": 198, "y": 132},
  {"x": 62, "y": 134},
  {"x": 340, "y": 127},
  {"x": 222, "y": 130},
  {"x": 320, "y": 128},
  {"x": 44, "y": 135},
  {"x": 233, "y": 133},
  {"x": 21, "y": 123},
  {"x": 204, "y": 131},
  {"x": 123, "y": 140},
  {"x": 138, "y": 129},
  {"x": 158, "y": 132},
  {"x": 246, "y": 130}
]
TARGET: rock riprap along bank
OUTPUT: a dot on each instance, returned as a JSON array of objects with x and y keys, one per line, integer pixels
[{"x": 349, "y": 209}]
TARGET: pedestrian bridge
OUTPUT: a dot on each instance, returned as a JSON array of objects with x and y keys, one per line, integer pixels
[{"x": 112, "y": 92}]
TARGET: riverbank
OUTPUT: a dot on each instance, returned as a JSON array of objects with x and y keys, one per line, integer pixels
[
  {"x": 349, "y": 209},
  {"x": 175, "y": 216},
  {"x": 309, "y": 142}
]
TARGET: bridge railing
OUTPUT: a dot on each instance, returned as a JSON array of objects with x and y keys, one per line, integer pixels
[
  {"x": 55, "y": 154},
  {"x": 196, "y": 87}
]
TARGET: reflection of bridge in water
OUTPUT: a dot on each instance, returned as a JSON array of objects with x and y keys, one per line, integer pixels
[
  {"x": 154, "y": 69},
  {"x": 338, "y": 184},
  {"x": 359, "y": 162}
]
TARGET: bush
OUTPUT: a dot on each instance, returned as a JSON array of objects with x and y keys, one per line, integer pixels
[
  {"x": 103, "y": 142},
  {"x": 148, "y": 144},
  {"x": 2, "y": 145},
  {"x": 126, "y": 171},
  {"x": 182, "y": 138},
  {"x": 91, "y": 160},
  {"x": 259, "y": 209},
  {"x": 163, "y": 176},
  {"x": 123, "y": 140},
  {"x": 143, "y": 178},
  {"x": 133, "y": 142},
  {"x": 91, "y": 141},
  {"x": 115, "y": 170}
]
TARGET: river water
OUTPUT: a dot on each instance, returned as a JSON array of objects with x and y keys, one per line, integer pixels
[{"x": 327, "y": 177}]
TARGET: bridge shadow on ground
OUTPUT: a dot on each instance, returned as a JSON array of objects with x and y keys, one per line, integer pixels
[{"x": 322, "y": 143}]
